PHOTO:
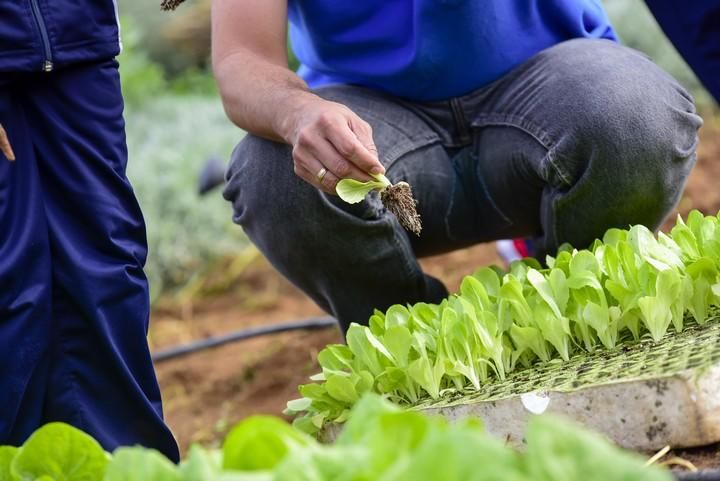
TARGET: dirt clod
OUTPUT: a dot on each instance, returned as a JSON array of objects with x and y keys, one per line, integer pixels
[
  {"x": 399, "y": 200},
  {"x": 170, "y": 4}
]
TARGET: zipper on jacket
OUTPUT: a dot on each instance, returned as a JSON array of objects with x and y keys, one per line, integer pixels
[{"x": 48, "y": 63}]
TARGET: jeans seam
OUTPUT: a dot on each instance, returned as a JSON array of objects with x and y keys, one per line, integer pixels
[
  {"x": 406, "y": 145},
  {"x": 429, "y": 141},
  {"x": 401, "y": 149},
  {"x": 409, "y": 134},
  {"x": 529, "y": 127}
]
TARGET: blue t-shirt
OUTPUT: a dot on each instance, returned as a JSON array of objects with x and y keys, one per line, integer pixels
[{"x": 431, "y": 49}]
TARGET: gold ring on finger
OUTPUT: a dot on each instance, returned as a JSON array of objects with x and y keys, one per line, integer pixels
[{"x": 321, "y": 175}]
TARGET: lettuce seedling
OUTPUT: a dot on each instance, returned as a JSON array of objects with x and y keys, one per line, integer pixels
[
  {"x": 59, "y": 451},
  {"x": 397, "y": 198},
  {"x": 380, "y": 442},
  {"x": 260, "y": 443},
  {"x": 137, "y": 463},
  {"x": 7, "y": 454}
]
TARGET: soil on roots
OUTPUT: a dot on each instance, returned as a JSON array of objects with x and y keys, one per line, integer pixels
[{"x": 399, "y": 200}]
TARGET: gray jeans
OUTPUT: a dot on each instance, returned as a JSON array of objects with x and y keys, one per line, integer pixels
[{"x": 584, "y": 136}]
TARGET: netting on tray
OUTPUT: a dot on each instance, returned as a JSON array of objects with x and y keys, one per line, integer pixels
[{"x": 696, "y": 347}]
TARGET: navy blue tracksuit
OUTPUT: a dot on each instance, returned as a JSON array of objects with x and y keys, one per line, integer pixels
[
  {"x": 74, "y": 301},
  {"x": 693, "y": 27}
]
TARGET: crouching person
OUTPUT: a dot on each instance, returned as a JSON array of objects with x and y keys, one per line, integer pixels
[{"x": 535, "y": 124}]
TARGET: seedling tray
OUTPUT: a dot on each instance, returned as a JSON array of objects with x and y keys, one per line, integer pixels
[{"x": 643, "y": 395}]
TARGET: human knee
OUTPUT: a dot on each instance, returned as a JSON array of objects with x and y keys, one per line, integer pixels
[
  {"x": 261, "y": 184},
  {"x": 626, "y": 102},
  {"x": 626, "y": 116}
]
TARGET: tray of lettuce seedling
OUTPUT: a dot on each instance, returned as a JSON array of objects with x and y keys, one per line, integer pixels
[{"x": 622, "y": 337}]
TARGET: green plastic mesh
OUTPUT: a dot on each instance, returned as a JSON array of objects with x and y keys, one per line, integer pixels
[{"x": 696, "y": 347}]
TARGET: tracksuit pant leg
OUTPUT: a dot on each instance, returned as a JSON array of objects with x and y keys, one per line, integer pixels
[{"x": 74, "y": 304}]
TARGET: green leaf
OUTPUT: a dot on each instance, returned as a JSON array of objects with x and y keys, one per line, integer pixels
[
  {"x": 460, "y": 347},
  {"x": 353, "y": 191},
  {"x": 299, "y": 405},
  {"x": 342, "y": 389},
  {"x": 324, "y": 463},
  {"x": 336, "y": 357},
  {"x": 365, "y": 413},
  {"x": 555, "y": 330},
  {"x": 427, "y": 374},
  {"x": 61, "y": 452},
  {"x": 397, "y": 315},
  {"x": 544, "y": 289},
  {"x": 459, "y": 454},
  {"x": 260, "y": 443},
  {"x": 597, "y": 316},
  {"x": 7, "y": 454},
  {"x": 203, "y": 465},
  {"x": 530, "y": 338},
  {"x": 490, "y": 279},
  {"x": 200, "y": 465},
  {"x": 558, "y": 450},
  {"x": 613, "y": 236},
  {"x": 474, "y": 291},
  {"x": 650, "y": 250},
  {"x": 398, "y": 341},
  {"x": 364, "y": 352},
  {"x": 513, "y": 305},
  {"x": 140, "y": 464}
]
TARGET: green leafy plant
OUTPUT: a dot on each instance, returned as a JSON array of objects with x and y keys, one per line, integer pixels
[
  {"x": 260, "y": 443},
  {"x": 55, "y": 452},
  {"x": 397, "y": 198},
  {"x": 133, "y": 463},
  {"x": 380, "y": 442},
  {"x": 353, "y": 191},
  {"x": 630, "y": 285}
]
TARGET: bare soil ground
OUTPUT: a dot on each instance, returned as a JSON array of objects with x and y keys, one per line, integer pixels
[{"x": 206, "y": 393}]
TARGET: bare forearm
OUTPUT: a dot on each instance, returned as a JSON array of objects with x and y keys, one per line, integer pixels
[{"x": 261, "y": 97}]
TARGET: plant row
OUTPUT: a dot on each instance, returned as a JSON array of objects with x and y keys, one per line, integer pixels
[
  {"x": 379, "y": 443},
  {"x": 630, "y": 285}
]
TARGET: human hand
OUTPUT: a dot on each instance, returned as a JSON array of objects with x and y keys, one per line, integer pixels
[
  {"x": 330, "y": 142},
  {"x": 5, "y": 145}
]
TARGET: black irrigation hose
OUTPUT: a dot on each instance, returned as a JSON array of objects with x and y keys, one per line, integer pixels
[
  {"x": 705, "y": 475},
  {"x": 215, "y": 341}
]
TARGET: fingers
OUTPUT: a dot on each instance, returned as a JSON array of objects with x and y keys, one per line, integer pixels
[
  {"x": 314, "y": 153},
  {"x": 5, "y": 147},
  {"x": 323, "y": 154},
  {"x": 356, "y": 145},
  {"x": 328, "y": 183},
  {"x": 328, "y": 135},
  {"x": 363, "y": 131}
]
